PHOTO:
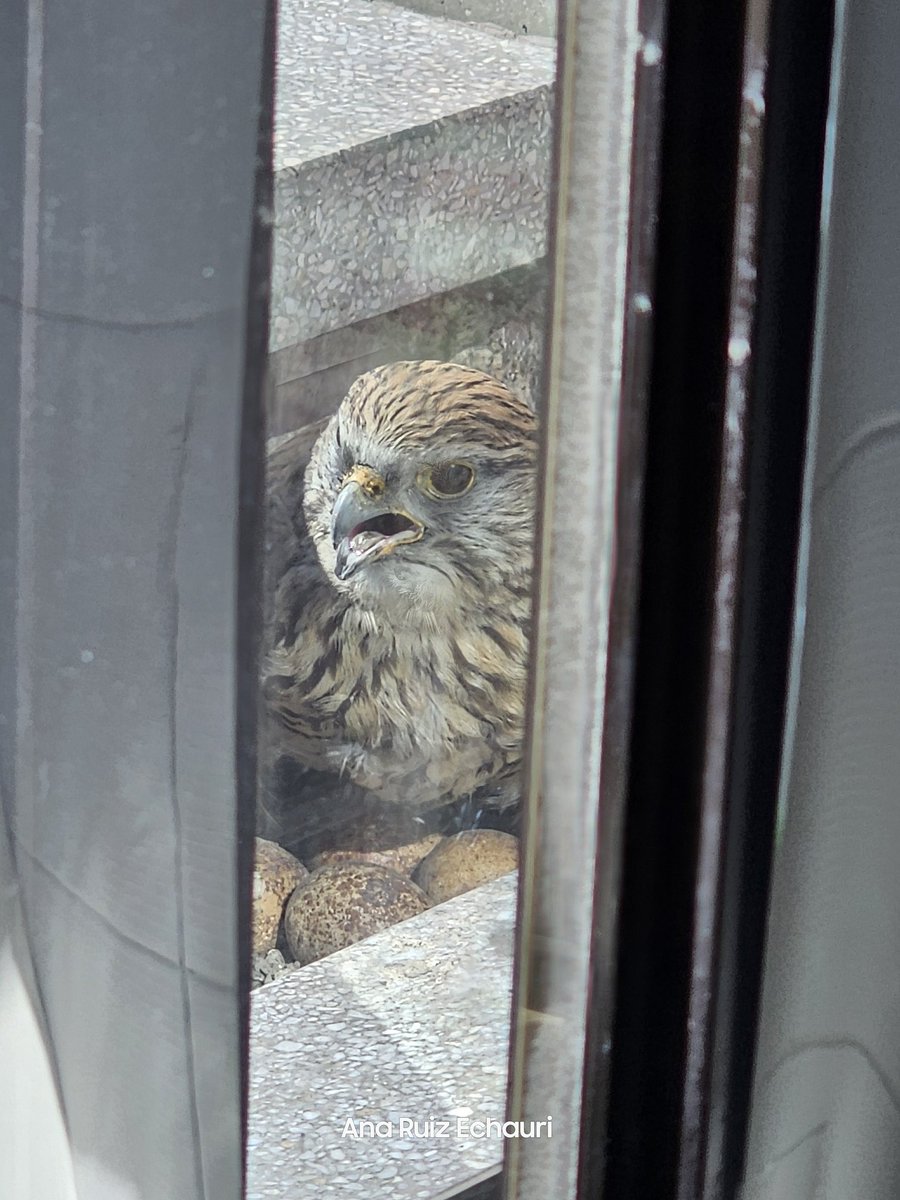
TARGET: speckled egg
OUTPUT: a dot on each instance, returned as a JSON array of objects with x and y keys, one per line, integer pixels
[
  {"x": 465, "y": 861},
  {"x": 275, "y": 875},
  {"x": 345, "y": 902},
  {"x": 402, "y": 859}
]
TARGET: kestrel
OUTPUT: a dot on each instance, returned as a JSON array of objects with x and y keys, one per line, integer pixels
[{"x": 400, "y": 554}]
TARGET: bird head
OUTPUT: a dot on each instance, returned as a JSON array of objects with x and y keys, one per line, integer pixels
[{"x": 421, "y": 487}]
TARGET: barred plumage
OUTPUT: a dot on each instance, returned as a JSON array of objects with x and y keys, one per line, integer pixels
[{"x": 397, "y": 635}]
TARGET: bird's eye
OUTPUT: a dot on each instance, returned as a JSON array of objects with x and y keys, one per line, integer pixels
[{"x": 446, "y": 479}]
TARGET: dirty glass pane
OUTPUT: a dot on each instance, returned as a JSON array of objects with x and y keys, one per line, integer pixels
[{"x": 412, "y": 179}]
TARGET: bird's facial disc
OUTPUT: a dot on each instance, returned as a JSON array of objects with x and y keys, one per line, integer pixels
[{"x": 363, "y": 525}]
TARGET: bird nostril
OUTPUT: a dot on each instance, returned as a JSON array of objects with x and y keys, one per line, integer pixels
[{"x": 364, "y": 477}]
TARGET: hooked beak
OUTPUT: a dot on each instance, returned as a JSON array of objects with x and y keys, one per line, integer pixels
[{"x": 363, "y": 526}]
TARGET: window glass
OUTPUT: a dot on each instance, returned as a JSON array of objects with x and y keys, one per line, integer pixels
[{"x": 412, "y": 180}]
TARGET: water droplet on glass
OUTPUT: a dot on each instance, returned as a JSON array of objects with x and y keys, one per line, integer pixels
[
  {"x": 753, "y": 91},
  {"x": 642, "y": 303}
]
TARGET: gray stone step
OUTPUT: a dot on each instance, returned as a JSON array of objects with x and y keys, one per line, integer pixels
[
  {"x": 412, "y": 157},
  {"x": 411, "y": 1024},
  {"x": 535, "y": 17}
]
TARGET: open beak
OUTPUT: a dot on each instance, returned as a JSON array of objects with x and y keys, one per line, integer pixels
[{"x": 364, "y": 527}]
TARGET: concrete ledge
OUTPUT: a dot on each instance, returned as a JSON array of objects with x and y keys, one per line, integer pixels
[
  {"x": 514, "y": 16},
  {"x": 412, "y": 157},
  {"x": 411, "y": 1023},
  {"x": 496, "y": 326}
]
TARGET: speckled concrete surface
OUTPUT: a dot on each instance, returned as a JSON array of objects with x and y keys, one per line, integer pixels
[
  {"x": 411, "y": 1024},
  {"x": 412, "y": 156},
  {"x": 496, "y": 325},
  {"x": 352, "y": 71},
  {"x": 515, "y": 17}
]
